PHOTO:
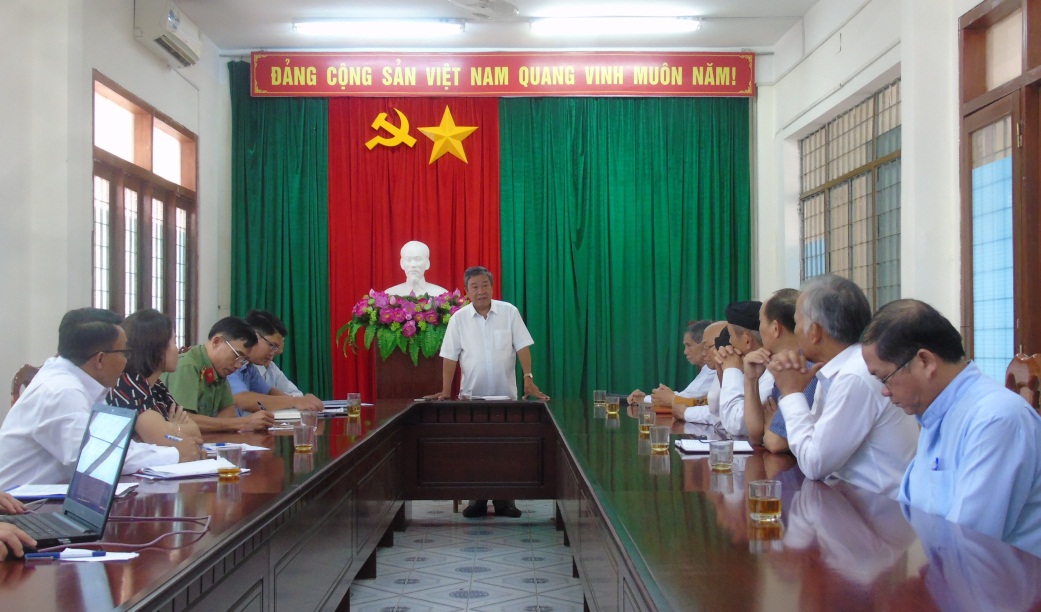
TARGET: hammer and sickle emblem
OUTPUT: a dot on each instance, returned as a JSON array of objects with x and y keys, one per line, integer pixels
[{"x": 400, "y": 133}]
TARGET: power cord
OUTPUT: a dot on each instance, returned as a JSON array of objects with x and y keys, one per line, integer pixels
[{"x": 198, "y": 533}]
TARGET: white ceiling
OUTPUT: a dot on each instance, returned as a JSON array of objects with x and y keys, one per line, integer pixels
[{"x": 245, "y": 25}]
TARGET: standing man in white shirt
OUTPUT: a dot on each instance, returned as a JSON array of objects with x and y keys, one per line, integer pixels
[
  {"x": 851, "y": 431},
  {"x": 41, "y": 436},
  {"x": 487, "y": 338}
]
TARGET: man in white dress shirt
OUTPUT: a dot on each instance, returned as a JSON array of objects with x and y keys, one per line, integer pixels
[
  {"x": 851, "y": 431},
  {"x": 707, "y": 411},
  {"x": 40, "y": 438},
  {"x": 487, "y": 337},
  {"x": 694, "y": 350},
  {"x": 743, "y": 325}
]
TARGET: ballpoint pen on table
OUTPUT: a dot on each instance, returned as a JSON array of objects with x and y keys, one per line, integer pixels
[{"x": 67, "y": 554}]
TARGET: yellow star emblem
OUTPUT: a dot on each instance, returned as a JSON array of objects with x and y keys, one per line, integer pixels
[{"x": 448, "y": 137}]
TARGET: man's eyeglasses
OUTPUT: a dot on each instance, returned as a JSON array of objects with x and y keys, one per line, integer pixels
[
  {"x": 240, "y": 359},
  {"x": 125, "y": 351},
  {"x": 885, "y": 381},
  {"x": 275, "y": 347}
]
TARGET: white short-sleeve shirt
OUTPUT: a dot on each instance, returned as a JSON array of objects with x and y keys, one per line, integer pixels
[{"x": 486, "y": 348}]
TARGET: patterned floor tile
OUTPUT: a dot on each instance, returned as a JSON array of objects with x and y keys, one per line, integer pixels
[
  {"x": 407, "y": 559},
  {"x": 473, "y": 595},
  {"x": 550, "y": 582},
  {"x": 532, "y": 558},
  {"x": 445, "y": 562},
  {"x": 472, "y": 569},
  {"x": 410, "y": 604},
  {"x": 564, "y": 569},
  {"x": 476, "y": 549},
  {"x": 525, "y": 604},
  {"x": 429, "y": 540}
]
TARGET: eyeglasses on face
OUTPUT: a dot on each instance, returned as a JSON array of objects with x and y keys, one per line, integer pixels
[
  {"x": 240, "y": 359},
  {"x": 125, "y": 351},
  {"x": 273, "y": 345},
  {"x": 885, "y": 381}
]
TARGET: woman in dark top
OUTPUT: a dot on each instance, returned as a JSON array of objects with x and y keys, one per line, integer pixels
[{"x": 152, "y": 351}]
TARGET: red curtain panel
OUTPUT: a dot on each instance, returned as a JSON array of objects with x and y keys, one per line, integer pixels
[{"x": 382, "y": 197}]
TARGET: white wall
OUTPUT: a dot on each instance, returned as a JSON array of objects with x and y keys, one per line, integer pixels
[
  {"x": 48, "y": 51},
  {"x": 848, "y": 49}
]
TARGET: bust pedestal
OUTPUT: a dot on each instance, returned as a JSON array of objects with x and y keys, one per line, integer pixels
[{"x": 397, "y": 378}]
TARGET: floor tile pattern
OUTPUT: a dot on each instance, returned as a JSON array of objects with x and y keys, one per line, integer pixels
[{"x": 445, "y": 562}]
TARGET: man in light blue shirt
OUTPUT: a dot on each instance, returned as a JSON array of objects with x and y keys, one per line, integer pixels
[{"x": 978, "y": 462}]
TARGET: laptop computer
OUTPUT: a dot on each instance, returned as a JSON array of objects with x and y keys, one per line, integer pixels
[{"x": 93, "y": 487}]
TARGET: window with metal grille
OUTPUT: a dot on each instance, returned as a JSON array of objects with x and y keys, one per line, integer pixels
[
  {"x": 144, "y": 231},
  {"x": 849, "y": 208}
]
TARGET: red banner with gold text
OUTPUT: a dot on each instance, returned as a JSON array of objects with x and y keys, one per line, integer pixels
[{"x": 332, "y": 74}]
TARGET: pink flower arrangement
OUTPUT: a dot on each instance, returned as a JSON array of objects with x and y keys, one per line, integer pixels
[{"x": 411, "y": 324}]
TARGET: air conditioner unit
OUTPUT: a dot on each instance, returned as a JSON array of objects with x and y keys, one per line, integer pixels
[{"x": 160, "y": 26}]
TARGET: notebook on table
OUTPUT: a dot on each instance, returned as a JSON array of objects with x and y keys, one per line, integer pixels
[{"x": 93, "y": 487}]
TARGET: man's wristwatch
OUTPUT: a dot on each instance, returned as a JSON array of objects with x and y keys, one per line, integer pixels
[{"x": 531, "y": 376}]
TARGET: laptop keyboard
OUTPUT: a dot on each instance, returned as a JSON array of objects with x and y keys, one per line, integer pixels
[{"x": 34, "y": 525}]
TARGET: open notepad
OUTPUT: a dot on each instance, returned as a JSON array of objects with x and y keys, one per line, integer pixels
[
  {"x": 700, "y": 447},
  {"x": 189, "y": 469}
]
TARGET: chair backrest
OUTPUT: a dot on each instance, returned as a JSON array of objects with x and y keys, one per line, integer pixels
[
  {"x": 1023, "y": 376},
  {"x": 21, "y": 380}
]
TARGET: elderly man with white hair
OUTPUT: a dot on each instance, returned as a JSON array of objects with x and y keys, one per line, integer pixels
[{"x": 851, "y": 432}]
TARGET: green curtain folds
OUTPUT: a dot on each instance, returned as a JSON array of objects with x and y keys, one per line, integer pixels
[
  {"x": 279, "y": 210},
  {"x": 622, "y": 220}
]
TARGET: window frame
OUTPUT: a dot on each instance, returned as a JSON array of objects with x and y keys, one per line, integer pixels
[
  {"x": 150, "y": 187},
  {"x": 1019, "y": 97},
  {"x": 830, "y": 184}
]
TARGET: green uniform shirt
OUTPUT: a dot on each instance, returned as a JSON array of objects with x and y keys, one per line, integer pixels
[{"x": 190, "y": 387}]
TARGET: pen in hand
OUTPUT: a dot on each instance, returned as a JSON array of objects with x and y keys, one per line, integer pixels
[{"x": 174, "y": 438}]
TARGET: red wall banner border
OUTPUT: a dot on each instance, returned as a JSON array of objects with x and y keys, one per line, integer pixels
[{"x": 332, "y": 74}]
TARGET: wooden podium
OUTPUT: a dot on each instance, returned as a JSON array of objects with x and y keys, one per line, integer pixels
[{"x": 397, "y": 378}]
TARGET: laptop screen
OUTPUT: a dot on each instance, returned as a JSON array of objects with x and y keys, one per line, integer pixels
[{"x": 100, "y": 462}]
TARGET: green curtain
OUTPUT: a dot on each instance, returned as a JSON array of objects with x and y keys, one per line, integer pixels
[
  {"x": 622, "y": 220},
  {"x": 279, "y": 241}
]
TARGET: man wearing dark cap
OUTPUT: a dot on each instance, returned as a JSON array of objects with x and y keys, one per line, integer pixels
[{"x": 743, "y": 325}]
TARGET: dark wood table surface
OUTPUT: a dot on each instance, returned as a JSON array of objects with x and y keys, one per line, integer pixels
[
  {"x": 685, "y": 529},
  {"x": 274, "y": 474},
  {"x": 688, "y": 532}
]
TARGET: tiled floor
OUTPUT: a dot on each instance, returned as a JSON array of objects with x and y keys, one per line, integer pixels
[{"x": 446, "y": 562}]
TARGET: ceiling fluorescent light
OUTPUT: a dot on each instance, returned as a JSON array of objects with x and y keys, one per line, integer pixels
[
  {"x": 380, "y": 27},
  {"x": 614, "y": 25}
]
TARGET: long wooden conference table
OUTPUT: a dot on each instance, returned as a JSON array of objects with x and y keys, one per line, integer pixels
[{"x": 647, "y": 532}]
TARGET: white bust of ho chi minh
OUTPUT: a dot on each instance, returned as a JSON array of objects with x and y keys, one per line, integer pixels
[{"x": 415, "y": 261}]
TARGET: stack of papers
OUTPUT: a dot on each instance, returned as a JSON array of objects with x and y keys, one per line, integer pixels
[
  {"x": 289, "y": 414},
  {"x": 190, "y": 469},
  {"x": 701, "y": 446},
  {"x": 53, "y": 491}
]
